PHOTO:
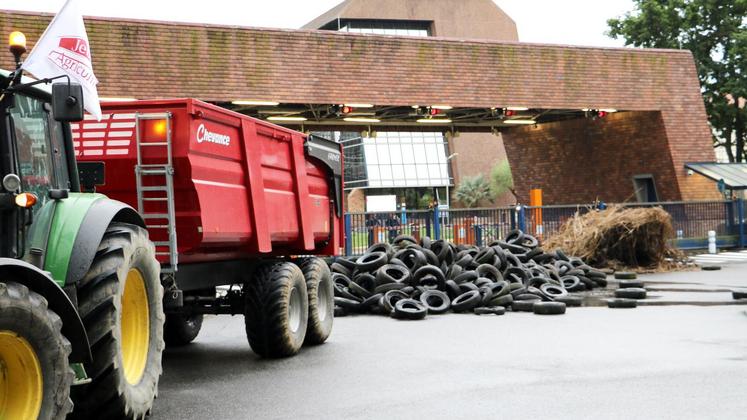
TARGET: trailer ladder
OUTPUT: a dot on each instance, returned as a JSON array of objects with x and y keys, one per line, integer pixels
[{"x": 154, "y": 175}]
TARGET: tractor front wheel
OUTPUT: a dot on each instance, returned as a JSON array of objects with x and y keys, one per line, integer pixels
[
  {"x": 121, "y": 304},
  {"x": 35, "y": 375}
]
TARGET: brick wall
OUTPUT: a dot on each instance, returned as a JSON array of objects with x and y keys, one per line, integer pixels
[{"x": 577, "y": 161}]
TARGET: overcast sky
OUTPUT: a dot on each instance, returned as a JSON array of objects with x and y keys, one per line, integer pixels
[{"x": 574, "y": 22}]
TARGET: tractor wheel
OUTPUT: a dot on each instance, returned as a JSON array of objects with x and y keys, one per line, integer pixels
[
  {"x": 35, "y": 374},
  {"x": 121, "y": 304},
  {"x": 180, "y": 330},
  {"x": 321, "y": 293},
  {"x": 276, "y": 310}
]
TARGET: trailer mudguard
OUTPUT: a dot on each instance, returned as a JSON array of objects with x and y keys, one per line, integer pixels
[
  {"x": 35, "y": 279},
  {"x": 78, "y": 226}
]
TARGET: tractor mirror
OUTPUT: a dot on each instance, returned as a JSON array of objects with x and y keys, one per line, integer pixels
[{"x": 67, "y": 102}]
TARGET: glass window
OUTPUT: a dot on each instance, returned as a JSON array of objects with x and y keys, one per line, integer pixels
[{"x": 31, "y": 124}]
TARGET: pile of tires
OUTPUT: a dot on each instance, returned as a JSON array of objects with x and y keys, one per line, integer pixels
[{"x": 410, "y": 279}]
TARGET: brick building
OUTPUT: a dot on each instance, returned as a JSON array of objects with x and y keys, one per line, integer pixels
[{"x": 556, "y": 141}]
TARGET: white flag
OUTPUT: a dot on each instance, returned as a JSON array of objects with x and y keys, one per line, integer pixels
[{"x": 63, "y": 49}]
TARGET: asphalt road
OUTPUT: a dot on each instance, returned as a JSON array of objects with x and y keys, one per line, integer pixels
[{"x": 655, "y": 362}]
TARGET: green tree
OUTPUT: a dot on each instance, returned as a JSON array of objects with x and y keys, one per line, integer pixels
[
  {"x": 501, "y": 179},
  {"x": 715, "y": 31},
  {"x": 472, "y": 190}
]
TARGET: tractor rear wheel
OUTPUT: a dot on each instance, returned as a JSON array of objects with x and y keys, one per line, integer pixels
[
  {"x": 121, "y": 304},
  {"x": 181, "y": 329},
  {"x": 276, "y": 310},
  {"x": 35, "y": 374}
]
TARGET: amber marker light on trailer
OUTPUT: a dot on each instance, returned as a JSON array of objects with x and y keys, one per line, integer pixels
[{"x": 25, "y": 200}]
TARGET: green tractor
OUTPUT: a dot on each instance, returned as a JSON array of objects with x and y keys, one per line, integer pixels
[{"x": 81, "y": 312}]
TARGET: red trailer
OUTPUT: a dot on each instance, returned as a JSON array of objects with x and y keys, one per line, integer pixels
[{"x": 228, "y": 200}]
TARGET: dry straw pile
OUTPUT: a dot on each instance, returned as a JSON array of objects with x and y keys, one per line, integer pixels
[{"x": 619, "y": 237}]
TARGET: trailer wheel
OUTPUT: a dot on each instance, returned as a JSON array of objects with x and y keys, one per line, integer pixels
[
  {"x": 276, "y": 310},
  {"x": 180, "y": 329},
  {"x": 121, "y": 304},
  {"x": 321, "y": 293},
  {"x": 35, "y": 376}
]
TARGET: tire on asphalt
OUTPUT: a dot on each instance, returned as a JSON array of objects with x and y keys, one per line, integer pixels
[
  {"x": 409, "y": 309},
  {"x": 625, "y": 275},
  {"x": 710, "y": 267},
  {"x": 490, "y": 310},
  {"x": 321, "y": 292},
  {"x": 30, "y": 330},
  {"x": 622, "y": 303},
  {"x": 466, "y": 301},
  {"x": 549, "y": 308},
  {"x": 181, "y": 329},
  {"x": 738, "y": 294},
  {"x": 436, "y": 301},
  {"x": 276, "y": 310},
  {"x": 523, "y": 305},
  {"x": 120, "y": 300},
  {"x": 570, "y": 301},
  {"x": 391, "y": 298},
  {"x": 631, "y": 293},
  {"x": 626, "y": 284}
]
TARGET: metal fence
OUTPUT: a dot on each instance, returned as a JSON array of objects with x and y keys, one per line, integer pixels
[{"x": 691, "y": 222}]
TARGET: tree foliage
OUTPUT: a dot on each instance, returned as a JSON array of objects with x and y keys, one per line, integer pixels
[
  {"x": 501, "y": 179},
  {"x": 472, "y": 190},
  {"x": 715, "y": 31}
]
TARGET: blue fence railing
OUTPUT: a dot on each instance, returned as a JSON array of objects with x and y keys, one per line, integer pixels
[{"x": 691, "y": 222}]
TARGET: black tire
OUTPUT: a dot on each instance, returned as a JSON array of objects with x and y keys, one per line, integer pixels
[
  {"x": 390, "y": 298},
  {"x": 436, "y": 301},
  {"x": 371, "y": 302},
  {"x": 409, "y": 309},
  {"x": 383, "y": 288},
  {"x": 710, "y": 267},
  {"x": 553, "y": 291},
  {"x": 490, "y": 310},
  {"x": 626, "y": 275},
  {"x": 321, "y": 292},
  {"x": 570, "y": 301},
  {"x": 739, "y": 295},
  {"x": 452, "y": 289},
  {"x": 627, "y": 284},
  {"x": 632, "y": 293},
  {"x": 549, "y": 308},
  {"x": 466, "y": 301},
  {"x": 124, "y": 253},
  {"x": 429, "y": 270},
  {"x": 392, "y": 273},
  {"x": 502, "y": 300},
  {"x": 372, "y": 261},
  {"x": 24, "y": 315},
  {"x": 523, "y": 305},
  {"x": 180, "y": 329},
  {"x": 276, "y": 310},
  {"x": 622, "y": 303},
  {"x": 348, "y": 304}
]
